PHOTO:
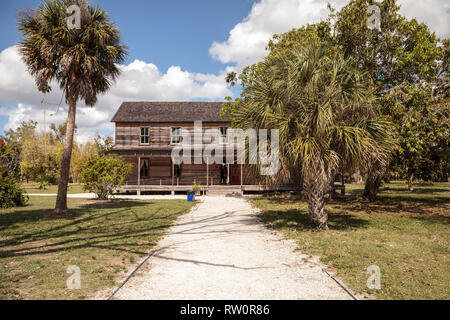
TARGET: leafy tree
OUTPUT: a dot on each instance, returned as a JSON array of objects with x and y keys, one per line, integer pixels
[
  {"x": 103, "y": 144},
  {"x": 79, "y": 156},
  {"x": 103, "y": 174},
  {"x": 10, "y": 156},
  {"x": 26, "y": 129},
  {"x": 11, "y": 194},
  {"x": 421, "y": 132},
  {"x": 403, "y": 54},
  {"x": 40, "y": 159},
  {"x": 59, "y": 132},
  {"x": 322, "y": 107},
  {"x": 231, "y": 79},
  {"x": 83, "y": 60}
]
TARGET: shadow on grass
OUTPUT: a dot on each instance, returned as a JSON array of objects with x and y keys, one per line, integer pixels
[
  {"x": 23, "y": 214},
  {"x": 297, "y": 219},
  {"x": 387, "y": 204},
  {"x": 87, "y": 226}
]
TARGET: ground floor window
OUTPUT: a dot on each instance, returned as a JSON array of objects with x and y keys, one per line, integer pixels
[
  {"x": 177, "y": 171},
  {"x": 144, "y": 167},
  {"x": 223, "y": 174}
]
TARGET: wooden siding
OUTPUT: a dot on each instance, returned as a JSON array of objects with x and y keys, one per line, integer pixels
[{"x": 128, "y": 134}]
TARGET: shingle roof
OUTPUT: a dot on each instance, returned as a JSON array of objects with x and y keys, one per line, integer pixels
[{"x": 169, "y": 112}]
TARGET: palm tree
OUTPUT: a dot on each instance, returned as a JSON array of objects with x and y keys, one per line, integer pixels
[
  {"x": 325, "y": 114},
  {"x": 231, "y": 78},
  {"x": 82, "y": 60}
]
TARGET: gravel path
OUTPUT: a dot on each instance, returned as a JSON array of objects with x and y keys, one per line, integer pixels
[{"x": 220, "y": 250}]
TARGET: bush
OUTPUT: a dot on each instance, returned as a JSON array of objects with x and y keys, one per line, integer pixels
[
  {"x": 103, "y": 174},
  {"x": 196, "y": 187},
  {"x": 11, "y": 193}
]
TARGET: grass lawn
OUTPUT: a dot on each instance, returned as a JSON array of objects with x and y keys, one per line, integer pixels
[
  {"x": 406, "y": 234},
  {"x": 101, "y": 238},
  {"x": 52, "y": 189}
]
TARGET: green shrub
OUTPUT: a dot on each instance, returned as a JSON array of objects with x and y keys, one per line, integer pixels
[
  {"x": 103, "y": 174},
  {"x": 11, "y": 193}
]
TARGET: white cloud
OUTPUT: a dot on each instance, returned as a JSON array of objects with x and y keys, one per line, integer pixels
[
  {"x": 435, "y": 13},
  {"x": 139, "y": 81},
  {"x": 247, "y": 40}
]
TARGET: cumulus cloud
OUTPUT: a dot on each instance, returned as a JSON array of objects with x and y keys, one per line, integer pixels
[
  {"x": 142, "y": 80},
  {"x": 435, "y": 13},
  {"x": 138, "y": 81},
  {"x": 247, "y": 40}
]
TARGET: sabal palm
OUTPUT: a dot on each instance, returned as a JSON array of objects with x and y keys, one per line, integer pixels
[
  {"x": 83, "y": 61},
  {"x": 323, "y": 109}
]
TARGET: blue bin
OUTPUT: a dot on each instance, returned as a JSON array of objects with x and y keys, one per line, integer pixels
[{"x": 191, "y": 196}]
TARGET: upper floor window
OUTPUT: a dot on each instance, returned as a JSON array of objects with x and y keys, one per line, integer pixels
[
  {"x": 175, "y": 136},
  {"x": 145, "y": 135},
  {"x": 224, "y": 135}
]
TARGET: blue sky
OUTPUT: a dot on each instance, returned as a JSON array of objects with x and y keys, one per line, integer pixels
[
  {"x": 165, "y": 32},
  {"x": 178, "y": 51}
]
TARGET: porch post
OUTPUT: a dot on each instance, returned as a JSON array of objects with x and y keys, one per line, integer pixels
[
  {"x": 173, "y": 178},
  {"x": 207, "y": 171},
  {"x": 139, "y": 176},
  {"x": 242, "y": 182}
]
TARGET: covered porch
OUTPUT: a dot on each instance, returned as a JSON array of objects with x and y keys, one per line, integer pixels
[{"x": 158, "y": 173}]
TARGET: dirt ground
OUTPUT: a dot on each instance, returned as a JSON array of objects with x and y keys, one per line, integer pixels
[{"x": 221, "y": 250}]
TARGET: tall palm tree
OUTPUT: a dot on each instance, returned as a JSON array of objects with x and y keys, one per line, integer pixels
[
  {"x": 82, "y": 60},
  {"x": 325, "y": 114}
]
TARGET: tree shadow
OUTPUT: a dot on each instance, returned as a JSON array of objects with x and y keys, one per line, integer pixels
[
  {"x": 424, "y": 209},
  {"x": 299, "y": 220},
  {"x": 23, "y": 215},
  {"x": 84, "y": 227}
]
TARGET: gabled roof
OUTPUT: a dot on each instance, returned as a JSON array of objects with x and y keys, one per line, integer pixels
[{"x": 169, "y": 112}]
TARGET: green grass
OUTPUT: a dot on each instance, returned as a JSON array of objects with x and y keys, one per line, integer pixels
[
  {"x": 52, "y": 189},
  {"x": 406, "y": 234},
  {"x": 102, "y": 238}
]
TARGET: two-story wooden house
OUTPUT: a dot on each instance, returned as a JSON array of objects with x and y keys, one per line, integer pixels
[{"x": 147, "y": 132}]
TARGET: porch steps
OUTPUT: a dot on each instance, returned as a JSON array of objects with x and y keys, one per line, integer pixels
[{"x": 224, "y": 191}]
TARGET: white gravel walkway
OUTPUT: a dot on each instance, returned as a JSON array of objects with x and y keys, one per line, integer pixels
[{"x": 220, "y": 250}]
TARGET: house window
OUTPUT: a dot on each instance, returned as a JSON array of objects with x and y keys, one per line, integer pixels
[
  {"x": 145, "y": 135},
  {"x": 175, "y": 135},
  {"x": 177, "y": 171},
  {"x": 144, "y": 167},
  {"x": 224, "y": 135}
]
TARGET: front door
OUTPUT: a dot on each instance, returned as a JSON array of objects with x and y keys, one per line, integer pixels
[{"x": 235, "y": 174}]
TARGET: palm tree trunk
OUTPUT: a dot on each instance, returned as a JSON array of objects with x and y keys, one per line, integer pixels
[
  {"x": 315, "y": 192},
  {"x": 61, "y": 200},
  {"x": 372, "y": 186},
  {"x": 373, "y": 181}
]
